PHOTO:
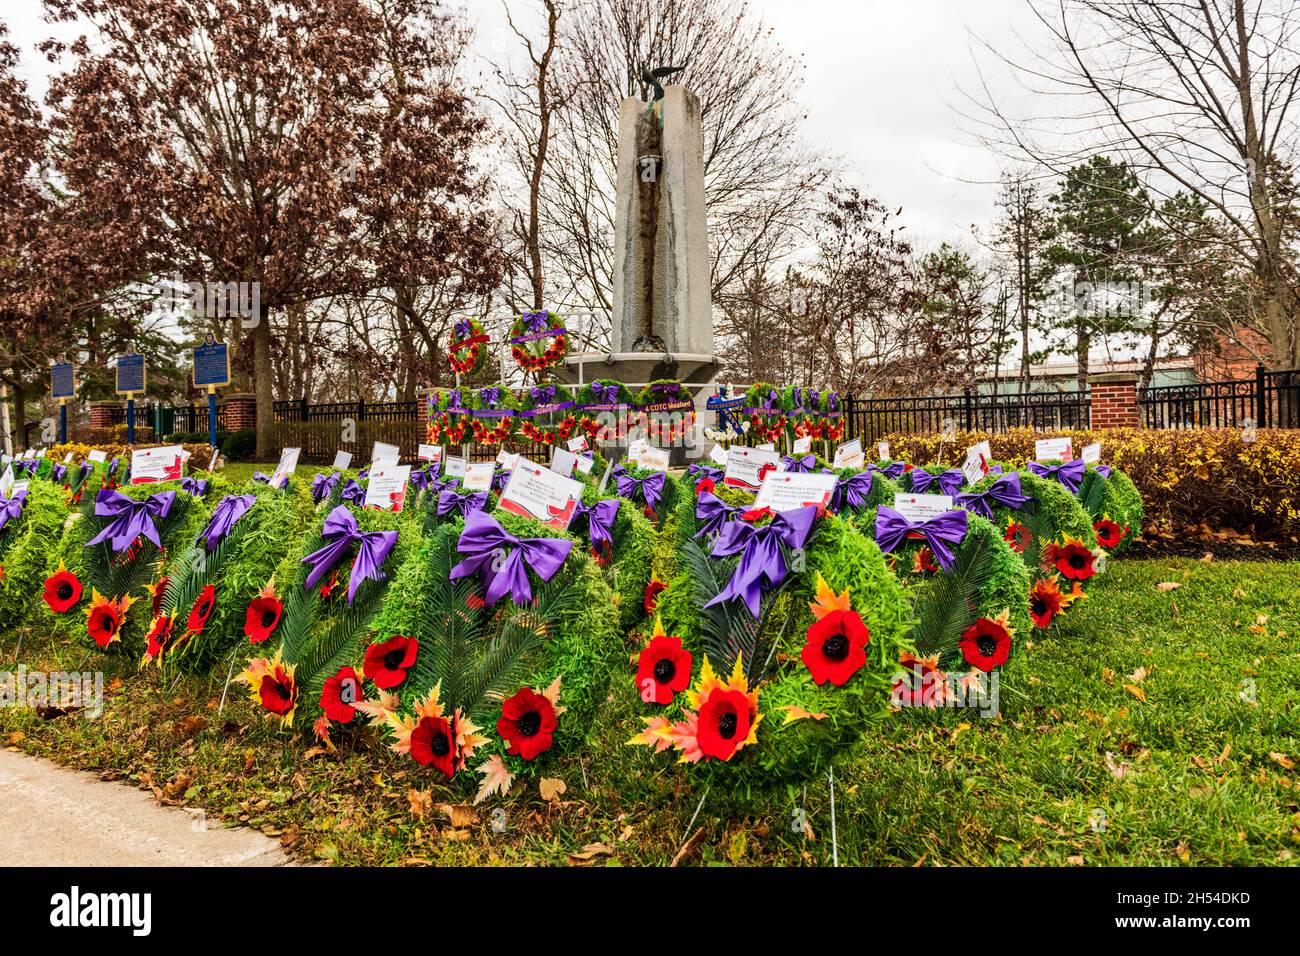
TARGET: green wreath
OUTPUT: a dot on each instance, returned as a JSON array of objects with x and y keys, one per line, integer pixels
[
  {"x": 1115, "y": 506},
  {"x": 466, "y": 352},
  {"x": 538, "y": 340},
  {"x": 24, "y": 550}
]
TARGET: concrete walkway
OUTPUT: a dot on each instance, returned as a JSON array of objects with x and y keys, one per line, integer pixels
[{"x": 51, "y": 816}]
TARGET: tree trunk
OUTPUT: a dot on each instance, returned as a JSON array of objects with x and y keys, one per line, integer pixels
[
  {"x": 262, "y": 385},
  {"x": 20, "y": 414}
]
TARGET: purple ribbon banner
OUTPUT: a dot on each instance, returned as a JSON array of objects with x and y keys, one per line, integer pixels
[
  {"x": 131, "y": 519},
  {"x": 373, "y": 549},
  {"x": 942, "y": 532},
  {"x": 762, "y": 564},
  {"x": 501, "y": 561}
]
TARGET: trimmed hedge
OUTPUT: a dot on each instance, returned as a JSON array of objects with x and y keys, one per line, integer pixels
[{"x": 1185, "y": 478}]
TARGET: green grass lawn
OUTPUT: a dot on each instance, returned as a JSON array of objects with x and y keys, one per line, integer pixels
[{"x": 1153, "y": 727}]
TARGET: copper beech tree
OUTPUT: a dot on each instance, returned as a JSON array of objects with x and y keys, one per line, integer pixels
[{"x": 305, "y": 148}]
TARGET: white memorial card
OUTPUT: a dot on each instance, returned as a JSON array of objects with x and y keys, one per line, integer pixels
[
  {"x": 384, "y": 452},
  {"x": 478, "y": 476},
  {"x": 803, "y": 445},
  {"x": 1091, "y": 454},
  {"x": 882, "y": 451},
  {"x": 287, "y": 466},
  {"x": 789, "y": 491},
  {"x": 718, "y": 455},
  {"x": 977, "y": 462},
  {"x": 563, "y": 462},
  {"x": 1054, "y": 449},
  {"x": 850, "y": 455},
  {"x": 746, "y": 468},
  {"x": 149, "y": 465},
  {"x": 430, "y": 453},
  {"x": 578, "y": 444},
  {"x": 918, "y": 508},
  {"x": 454, "y": 467},
  {"x": 342, "y": 459},
  {"x": 537, "y": 492},
  {"x": 386, "y": 489},
  {"x": 97, "y": 456}
]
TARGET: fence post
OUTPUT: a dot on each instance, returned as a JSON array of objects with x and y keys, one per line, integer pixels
[
  {"x": 1261, "y": 396},
  {"x": 304, "y": 411},
  {"x": 851, "y": 431},
  {"x": 361, "y": 409},
  {"x": 969, "y": 426}
]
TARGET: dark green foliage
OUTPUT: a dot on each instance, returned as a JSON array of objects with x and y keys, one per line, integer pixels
[
  {"x": 25, "y": 544},
  {"x": 631, "y": 565},
  {"x": 240, "y": 445},
  {"x": 1116, "y": 498}
]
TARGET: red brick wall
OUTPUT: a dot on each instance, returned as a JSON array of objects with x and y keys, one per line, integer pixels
[
  {"x": 101, "y": 414},
  {"x": 1114, "y": 400},
  {"x": 241, "y": 412},
  {"x": 1228, "y": 361}
]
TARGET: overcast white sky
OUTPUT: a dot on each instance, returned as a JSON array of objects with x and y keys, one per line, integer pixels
[{"x": 883, "y": 77}]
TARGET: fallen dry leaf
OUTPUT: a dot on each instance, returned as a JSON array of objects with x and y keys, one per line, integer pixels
[
  {"x": 460, "y": 814},
  {"x": 590, "y": 852},
  {"x": 552, "y": 788},
  {"x": 420, "y": 801},
  {"x": 1139, "y": 675},
  {"x": 1168, "y": 586},
  {"x": 1136, "y": 691},
  {"x": 1282, "y": 760},
  {"x": 496, "y": 778},
  {"x": 1117, "y": 770}
]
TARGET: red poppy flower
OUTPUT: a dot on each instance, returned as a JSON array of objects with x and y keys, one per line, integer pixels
[
  {"x": 836, "y": 647},
  {"x": 1074, "y": 559},
  {"x": 330, "y": 586},
  {"x": 1018, "y": 536},
  {"x": 725, "y": 719},
  {"x": 924, "y": 684},
  {"x": 755, "y": 514},
  {"x": 279, "y": 691},
  {"x": 202, "y": 609},
  {"x": 923, "y": 562},
  {"x": 340, "y": 695},
  {"x": 62, "y": 590},
  {"x": 527, "y": 724},
  {"x": 664, "y": 669},
  {"x": 1109, "y": 534},
  {"x": 157, "y": 591},
  {"x": 103, "y": 621},
  {"x": 433, "y": 743},
  {"x": 163, "y": 637},
  {"x": 388, "y": 662},
  {"x": 263, "y": 618},
  {"x": 705, "y": 484},
  {"x": 986, "y": 644},
  {"x": 1045, "y": 602},
  {"x": 652, "y": 592}
]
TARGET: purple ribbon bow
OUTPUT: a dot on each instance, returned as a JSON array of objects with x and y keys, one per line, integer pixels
[
  {"x": 1004, "y": 491},
  {"x": 500, "y": 479},
  {"x": 949, "y": 483},
  {"x": 543, "y": 394},
  {"x": 230, "y": 509},
  {"x": 131, "y": 519},
  {"x": 59, "y": 473},
  {"x": 648, "y": 489},
  {"x": 833, "y": 401},
  {"x": 354, "y": 493},
  {"x": 86, "y": 468},
  {"x": 715, "y": 513},
  {"x": 600, "y": 520},
  {"x": 373, "y": 549},
  {"x": 537, "y": 322},
  {"x": 940, "y": 532},
  {"x": 196, "y": 487},
  {"x": 262, "y": 476},
  {"x": 700, "y": 472},
  {"x": 463, "y": 329},
  {"x": 322, "y": 486},
  {"x": 454, "y": 400},
  {"x": 606, "y": 394},
  {"x": 800, "y": 466},
  {"x": 501, "y": 560},
  {"x": 667, "y": 389},
  {"x": 112, "y": 466},
  {"x": 425, "y": 477},
  {"x": 894, "y": 470},
  {"x": 1103, "y": 470},
  {"x": 450, "y": 500},
  {"x": 1070, "y": 474},
  {"x": 853, "y": 492},
  {"x": 11, "y": 508},
  {"x": 490, "y": 395},
  {"x": 762, "y": 563}
]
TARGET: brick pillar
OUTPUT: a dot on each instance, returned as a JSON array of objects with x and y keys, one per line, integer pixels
[
  {"x": 240, "y": 412},
  {"x": 1114, "y": 400},
  {"x": 101, "y": 414}
]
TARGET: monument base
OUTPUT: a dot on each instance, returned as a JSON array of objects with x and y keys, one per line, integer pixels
[{"x": 638, "y": 369}]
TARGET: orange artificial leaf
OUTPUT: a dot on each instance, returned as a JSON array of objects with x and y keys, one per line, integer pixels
[
  {"x": 497, "y": 778},
  {"x": 793, "y": 713},
  {"x": 828, "y": 601}
]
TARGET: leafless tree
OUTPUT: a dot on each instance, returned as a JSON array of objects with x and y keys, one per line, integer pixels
[{"x": 1198, "y": 96}]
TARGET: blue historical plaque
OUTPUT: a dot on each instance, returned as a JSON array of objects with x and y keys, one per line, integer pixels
[
  {"x": 131, "y": 376},
  {"x": 211, "y": 365},
  {"x": 62, "y": 381}
]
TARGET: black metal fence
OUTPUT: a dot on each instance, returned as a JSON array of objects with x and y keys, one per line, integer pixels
[
  {"x": 168, "y": 419},
  {"x": 1270, "y": 399},
  {"x": 871, "y": 419}
]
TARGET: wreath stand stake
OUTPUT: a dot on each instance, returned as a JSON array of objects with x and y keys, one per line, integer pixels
[
  {"x": 835, "y": 847},
  {"x": 698, "y": 807},
  {"x": 229, "y": 674}
]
